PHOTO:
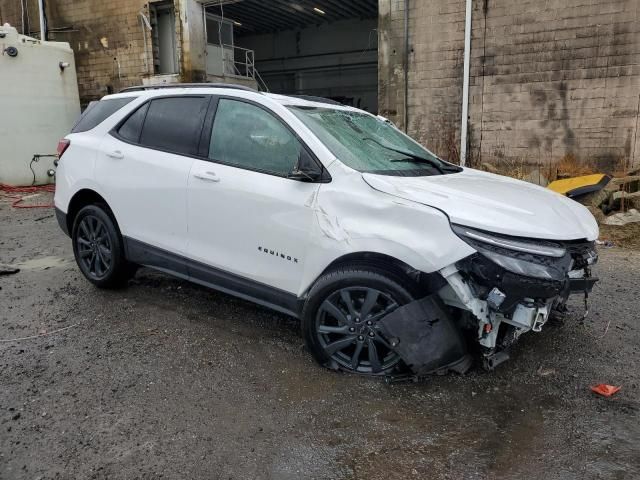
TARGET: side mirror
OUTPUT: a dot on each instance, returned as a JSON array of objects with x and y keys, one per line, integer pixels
[{"x": 307, "y": 169}]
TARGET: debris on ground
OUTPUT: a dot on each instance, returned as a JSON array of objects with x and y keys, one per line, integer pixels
[
  {"x": 620, "y": 198},
  {"x": 622, "y": 218},
  {"x": 576, "y": 187},
  {"x": 620, "y": 194},
  {"x": 41, "y": 333},
  {"x": 605, "y": 243},
  {"x": 624, "y": 236},
  {"x": 8, "y": 270},
  {"x": 545, "y": 372},
  {"x": 613, "y": 201},
  {"x": 604, "y": 389},
  {"x": 607, "y": 194}
]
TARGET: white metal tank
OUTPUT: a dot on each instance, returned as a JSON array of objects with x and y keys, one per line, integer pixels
[{"x": 38, "y": 105}]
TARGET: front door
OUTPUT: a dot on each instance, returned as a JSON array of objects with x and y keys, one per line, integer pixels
[{"x": 245, "y": 216}]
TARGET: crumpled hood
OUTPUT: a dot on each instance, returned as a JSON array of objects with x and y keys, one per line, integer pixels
[{"x": 494, "y": 203}]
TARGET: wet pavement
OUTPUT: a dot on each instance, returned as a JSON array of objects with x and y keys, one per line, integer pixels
[{"x": 169, "y": 380}]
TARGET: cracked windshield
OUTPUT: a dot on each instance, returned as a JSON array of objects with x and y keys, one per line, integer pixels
[{"x": 370, "y": 145}]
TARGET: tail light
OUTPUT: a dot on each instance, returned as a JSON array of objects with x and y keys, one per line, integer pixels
[{"x": 62, "y": 146}]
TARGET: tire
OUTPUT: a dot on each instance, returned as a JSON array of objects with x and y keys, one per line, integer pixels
[
  {"x": 98, "y": 248},
  {"x": 329, "y": 324}
]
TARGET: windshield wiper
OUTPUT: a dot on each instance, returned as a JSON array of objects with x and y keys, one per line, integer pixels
[{"x": 412, "y": 156}]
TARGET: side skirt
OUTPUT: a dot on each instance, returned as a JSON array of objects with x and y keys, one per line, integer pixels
[{"x": 196, "y": 272}]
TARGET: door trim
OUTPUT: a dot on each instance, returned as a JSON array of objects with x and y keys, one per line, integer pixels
[{"x": 202, "y": 274}]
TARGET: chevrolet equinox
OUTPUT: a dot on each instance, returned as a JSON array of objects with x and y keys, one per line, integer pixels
[{"x": 393, "y": 259}]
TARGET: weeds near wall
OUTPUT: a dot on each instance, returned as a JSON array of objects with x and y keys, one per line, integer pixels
[
  {"x": 571, "y": 166},
  {"x": 511, "y": 167},
  {"x": 567, "y": 166},
  {"x": 451, "y": 147}
]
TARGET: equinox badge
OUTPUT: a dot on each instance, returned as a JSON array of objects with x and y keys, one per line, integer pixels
[{"x": 278, "y": 254}]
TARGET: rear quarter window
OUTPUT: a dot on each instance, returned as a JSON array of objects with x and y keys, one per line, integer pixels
[
  {"x": 131, "y": 129},
  {"x": 98, "y": 112}
]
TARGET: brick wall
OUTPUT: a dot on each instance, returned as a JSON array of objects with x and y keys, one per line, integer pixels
[
  {"x": 549, "y": 80},
  {"x": 109, "y": 41}
]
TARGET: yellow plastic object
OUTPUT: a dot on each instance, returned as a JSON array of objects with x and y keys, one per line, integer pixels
[{"x": 572, "y": 187}]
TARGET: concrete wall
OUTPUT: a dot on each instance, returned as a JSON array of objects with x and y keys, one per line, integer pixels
[
  {"x": 549, "y": 80},
  {"x": 108, "y": 40},
  {"x": 436, "y": 38},
  {"x": 194, "y": 42},
  {"x": 338, "y": 59}
]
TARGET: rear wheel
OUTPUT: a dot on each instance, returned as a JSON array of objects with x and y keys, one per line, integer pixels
[
  {"x": 340, "y": 320},
  {"x": 98, "y": 248}
]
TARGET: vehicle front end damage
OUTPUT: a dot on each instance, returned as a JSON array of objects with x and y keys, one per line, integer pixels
[{"x": 510, "y": 286}]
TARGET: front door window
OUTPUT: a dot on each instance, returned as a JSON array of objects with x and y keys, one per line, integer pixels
[{"x": 249, "y": 137}]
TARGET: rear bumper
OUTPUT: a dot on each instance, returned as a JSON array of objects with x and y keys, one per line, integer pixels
[{"x": 62, "y": 221}]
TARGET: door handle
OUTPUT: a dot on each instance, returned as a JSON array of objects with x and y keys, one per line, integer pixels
[
  {"x": 207, "y": 177},
  {"x": 115, "y": 154}
]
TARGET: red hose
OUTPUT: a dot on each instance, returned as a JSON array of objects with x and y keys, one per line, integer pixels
[{"x": 14, "y": 193}]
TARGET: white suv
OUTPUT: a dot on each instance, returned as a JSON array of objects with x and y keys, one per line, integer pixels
[{"x": 385, "y": 252}]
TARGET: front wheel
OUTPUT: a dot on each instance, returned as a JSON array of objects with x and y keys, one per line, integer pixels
[
  {"x": 98, "y": 248},
  {"x": 340, "y": 320}
]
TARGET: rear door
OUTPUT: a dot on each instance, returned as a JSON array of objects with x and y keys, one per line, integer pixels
[
  {"x": 245, "y": 216},
  {"x": 144, "y": 168}
]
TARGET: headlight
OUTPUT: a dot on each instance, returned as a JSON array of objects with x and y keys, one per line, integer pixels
[
  {"x": 509, "y": 243},
  {"x": 544, "y": 260}
]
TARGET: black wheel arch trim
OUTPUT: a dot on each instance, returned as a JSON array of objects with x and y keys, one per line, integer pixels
[
  {"x": 79, "y": 200},
  {"x": 61, "y": 217},
  {"x": 416, "y": 280}
]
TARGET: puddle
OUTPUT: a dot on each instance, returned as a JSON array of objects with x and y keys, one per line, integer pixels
[{"x": 44, "y": 263}]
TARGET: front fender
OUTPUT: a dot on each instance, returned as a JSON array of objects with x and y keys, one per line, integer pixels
[{"x": 351, "y": 217}]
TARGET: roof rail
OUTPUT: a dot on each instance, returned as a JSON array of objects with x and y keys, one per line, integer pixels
[
  {"x": 187, "y": 85},
  {"x": 313, "y": 98}
]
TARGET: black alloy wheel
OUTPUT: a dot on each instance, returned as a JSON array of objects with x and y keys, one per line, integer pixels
[
  {"x": 94, "y": 247},
  {"x": 348, "y": 330},
  {"x": 340, "y": 319},
  {"x": 99, "y": 249}
]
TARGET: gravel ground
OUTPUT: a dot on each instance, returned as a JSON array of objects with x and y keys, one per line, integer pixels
[{"x": 166, "y": 379}]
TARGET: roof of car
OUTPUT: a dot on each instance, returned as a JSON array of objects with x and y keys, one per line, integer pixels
[{"x": 220, "y": 88}]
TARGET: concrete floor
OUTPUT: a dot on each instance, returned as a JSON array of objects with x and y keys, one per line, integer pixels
[{"x": 166, "y": 379}]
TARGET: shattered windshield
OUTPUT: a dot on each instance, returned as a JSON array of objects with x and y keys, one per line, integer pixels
[{"x": 369, "y": 144}]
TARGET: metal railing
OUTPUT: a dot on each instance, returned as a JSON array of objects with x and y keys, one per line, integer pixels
[
  {"x": 239, "y": 61},
  {"x": 242, "y": 62}
]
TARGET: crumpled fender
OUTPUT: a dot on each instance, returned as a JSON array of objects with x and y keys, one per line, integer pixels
[{"x": 352, "y": 217}]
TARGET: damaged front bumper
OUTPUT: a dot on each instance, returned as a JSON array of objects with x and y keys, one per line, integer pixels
[
  {"x": 510, "y": 286},
  {"x": 509, "y": 291}
]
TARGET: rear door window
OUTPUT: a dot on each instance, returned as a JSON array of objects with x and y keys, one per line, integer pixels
[
  {"x": 98, "y": 112},
  {"x": 174, "y": 124}
]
